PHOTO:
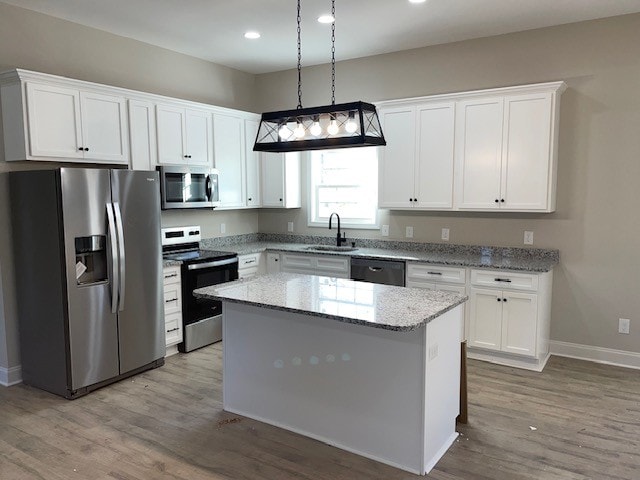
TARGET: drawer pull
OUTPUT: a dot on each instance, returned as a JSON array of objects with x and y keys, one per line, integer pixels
[
  {"x": 434, "y": 273},
  {"x": 171, "y": 275},
  {"x": 171, "y": 300},
  {"x": 375, "y": 269},
  {"x": 506, "y": 280},
  {"x": 173, "y": 329},
  {"x": 247, "y": 262}
]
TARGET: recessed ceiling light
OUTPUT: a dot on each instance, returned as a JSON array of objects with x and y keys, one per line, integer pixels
[
  {"x": 326, "y": 19},
  {"x": 252, "y": 35}
]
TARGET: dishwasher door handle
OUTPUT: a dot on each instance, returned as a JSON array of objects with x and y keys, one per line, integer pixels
[{"x": 375, "y": 269}]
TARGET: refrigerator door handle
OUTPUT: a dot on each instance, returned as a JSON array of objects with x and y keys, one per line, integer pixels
[
  {"x": 115, "y": 273},
  {"x": 123, "y": 271}
]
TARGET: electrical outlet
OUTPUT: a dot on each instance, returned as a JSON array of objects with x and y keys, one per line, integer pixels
[
  {"x": 528, "y": 238},
  {"x": 290, "y": 226},
  {"x": 433, "y": 351},
  {"x": 623, "y": 325},
  {"x": 223, "y": 228},
  {"x": 445, "y": 234},
  {"x": 409, "y": 232},
  {"x": 384, "y": 231}
]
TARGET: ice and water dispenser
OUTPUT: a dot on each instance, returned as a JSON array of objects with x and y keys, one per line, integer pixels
[{"x": 91, "y": 259}]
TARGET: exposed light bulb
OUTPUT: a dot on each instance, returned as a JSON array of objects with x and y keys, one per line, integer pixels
[
  {"x": 326, "y": 18},
  {"x": 299, "y": 131},
  {"x": 284, "y": 133},
  {"x": 315, "y": 129},
  {"x": 333, "y": 128},
  {"x": 252, "y": 35},
  {"x": 351, "y": 126}
]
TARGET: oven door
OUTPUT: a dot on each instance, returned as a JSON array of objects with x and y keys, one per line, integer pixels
[
  {"x": 188, "y": 187},
  {"x": 202, "y": 318}
]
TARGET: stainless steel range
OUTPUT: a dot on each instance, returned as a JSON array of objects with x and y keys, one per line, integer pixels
[{"x": 201, "y": 318}]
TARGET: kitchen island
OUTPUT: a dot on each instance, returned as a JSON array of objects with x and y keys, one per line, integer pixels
[{"x": 372, "y": 369}]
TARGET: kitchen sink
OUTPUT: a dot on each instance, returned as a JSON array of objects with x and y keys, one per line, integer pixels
[{"x": 331, "y": 248}]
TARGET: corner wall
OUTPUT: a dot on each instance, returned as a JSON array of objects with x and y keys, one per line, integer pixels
[{"x": 596, "y": 224}]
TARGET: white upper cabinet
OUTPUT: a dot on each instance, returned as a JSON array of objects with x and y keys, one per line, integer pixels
[
  {"x": 479, "y": 153},
  {"x": 253, "y": 191},
  {"x": 281, "y": 180},
  {"x": 142, "y": 133},
  {"x": 228, "y": 135},
  {"x": 416, "y": 166},
  {"x": 490, "y": 150},
  {"x": 52, "y": 122},
  {"x": 184, "y": 136}
]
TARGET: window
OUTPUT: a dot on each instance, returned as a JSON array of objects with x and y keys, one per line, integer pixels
[{"x": 344, "y": 181}]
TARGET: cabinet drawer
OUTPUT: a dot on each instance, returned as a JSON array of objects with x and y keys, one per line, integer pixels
[
  {"x": 173, "y": 328},
  {"x": 172, "y": 299},
  {"x": 297, "y": 261},
  {"x": 332, "y": 264},
  {"x": 506, "y": 280},
  {"x": 247, "y": 272},
  {"x": 432, "y": 273},
  {"x": 171, "y": 275},
  {"x": 247, "y": 261}
]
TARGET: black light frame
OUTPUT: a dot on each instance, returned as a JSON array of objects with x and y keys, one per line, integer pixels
[{"x": 267, "y": 139}]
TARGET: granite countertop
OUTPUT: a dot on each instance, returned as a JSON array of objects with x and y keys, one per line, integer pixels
[
  {"x": 368, "y": 304},
  {"x": 455, "y": 255}
]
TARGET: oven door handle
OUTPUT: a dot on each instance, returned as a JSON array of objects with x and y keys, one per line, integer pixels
[{"x": 217, "y": 263}]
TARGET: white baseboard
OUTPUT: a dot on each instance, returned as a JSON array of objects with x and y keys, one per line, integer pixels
[
  {"x": 10, "y": 376},
  {"x": 609, "y": 356}
]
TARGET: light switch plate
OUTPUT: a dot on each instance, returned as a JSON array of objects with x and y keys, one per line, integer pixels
[
  {"x": 623, "y": 325},
  {"x": 445, "y": 234},
  {"x": 223, "y": 228},
  {"x": 384, "y": 231},
  {"x": 409, "y": 232},
  {"x": 290, "y": 226},
  {"x": 528, "y": 238}
]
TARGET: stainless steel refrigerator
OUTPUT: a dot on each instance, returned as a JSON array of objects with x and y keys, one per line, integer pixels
[{"x": 88, "y": 265}]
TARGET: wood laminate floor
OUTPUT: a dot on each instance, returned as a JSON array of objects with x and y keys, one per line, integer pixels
[{"x": 168, "y": 424}]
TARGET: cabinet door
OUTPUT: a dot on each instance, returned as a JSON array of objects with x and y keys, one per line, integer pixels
[
  {"x": 228, "y": 146},
  {"x": 198, "y": 137},
  {"x": 54, "y": 121},
  {"x": 142, "y": 130},
  {"x": 397, "y": 159},
  {"x": 485, "y": 318},
  {"x": 273, "y": 263},
  {"x": 434, "y": 169},
  {"x": 526, "y": 160},
  {"x": 104, "y": 127},
  {"x": 460, "y": 290},
  {"x": 252, "y": 163},
  {"x": 171, "y": 141},
  {"x": 273, "y": 180},
  {"x": 478, "y": 148},
  {"x": 519, "y": 323}
]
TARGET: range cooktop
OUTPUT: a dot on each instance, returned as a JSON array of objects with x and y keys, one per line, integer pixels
[{"x": 196, "y": 256}]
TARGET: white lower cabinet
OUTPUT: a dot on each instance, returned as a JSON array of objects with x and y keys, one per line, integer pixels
[
  {"x": 172, "y": 308},
  {"x": 436, "y": 277},
  {"x": 273, "y": 262},
  {"x": 327, "y": 265},
  {"x": 250, "y": 265},
  {"x": 509, "y": 317}
]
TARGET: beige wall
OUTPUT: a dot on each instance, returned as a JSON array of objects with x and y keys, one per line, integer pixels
[
  {"x": 596, "y": 224},
  {"x": 38, "y": 42}
]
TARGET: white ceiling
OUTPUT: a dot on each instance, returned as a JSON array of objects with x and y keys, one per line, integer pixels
[{"x": 213, "y": 29}]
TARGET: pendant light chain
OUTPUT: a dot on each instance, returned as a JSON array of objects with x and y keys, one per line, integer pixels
[
  {"x": 299, "y": 61},
  {"x": 333, "y": 53}
]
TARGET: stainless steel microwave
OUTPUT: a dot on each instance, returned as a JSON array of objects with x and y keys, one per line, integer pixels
[{"x": 189, "y": 187}]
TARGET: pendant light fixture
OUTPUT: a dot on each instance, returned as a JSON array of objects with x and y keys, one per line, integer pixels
[{"x": 343, "y": 125}]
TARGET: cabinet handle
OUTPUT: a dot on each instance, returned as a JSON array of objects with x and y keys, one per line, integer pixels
[
  {"x": 171, "y": 300},
  {"x": 434, "y": 273},
  {"x": 276, "y": 259},
  {"x": 81, "y": 148},
  {"x": 506, "y": 280},
  {"x": 247, "y": 262},
  {"x": 173, "y": 329},
  {"x": 280, "y": 199},
  {"x": 250, "y": 199},
  {"x": 499, "y": 299},
  {"x": 497, "y": 201},
  {"x": 411, "y": 199},
  {"x": 502, "y": 200},
  {"x": 171, "y": 275},
  {"x": 504, "y": 300},
  {"x": 86, "y": 149},
  {"x": 415, "y": 199}
]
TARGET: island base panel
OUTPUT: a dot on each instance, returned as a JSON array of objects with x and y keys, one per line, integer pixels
[{"x": 367, "y": 390}]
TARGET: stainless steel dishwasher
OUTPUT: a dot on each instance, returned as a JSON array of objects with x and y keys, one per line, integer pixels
[{"x": 386, "y": 272}]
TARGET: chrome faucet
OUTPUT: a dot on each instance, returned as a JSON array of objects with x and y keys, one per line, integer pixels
[{"x": 339, "y": 239}]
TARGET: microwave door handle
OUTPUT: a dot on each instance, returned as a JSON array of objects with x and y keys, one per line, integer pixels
[
  {"x": 207, "y": 187},
  {"x": 123, "y": 271},
  {"x": 112, "y": 258}
]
